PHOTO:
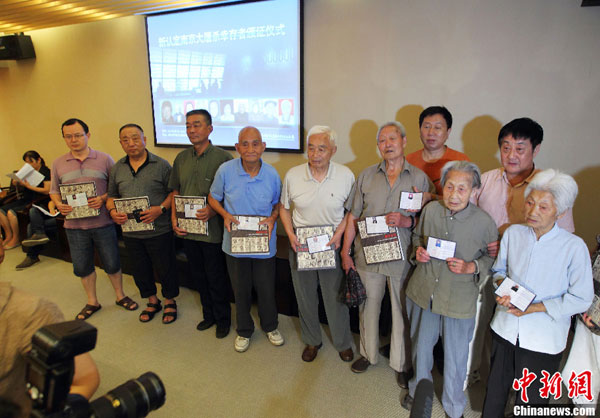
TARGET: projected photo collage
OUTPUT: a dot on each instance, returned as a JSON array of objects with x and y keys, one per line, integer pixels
[
  {"x": 243, "y": 66},
  {"x": 267, "y": 112}
]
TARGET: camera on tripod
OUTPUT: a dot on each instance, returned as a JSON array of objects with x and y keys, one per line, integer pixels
[{"x": 50, "y": 371}]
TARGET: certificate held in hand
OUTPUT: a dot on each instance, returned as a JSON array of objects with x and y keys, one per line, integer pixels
[
  {"x": 520, "y": 297},
  {"x": 440, "y": 248}
]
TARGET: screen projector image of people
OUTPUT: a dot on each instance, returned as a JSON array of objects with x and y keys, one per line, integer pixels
[{"x": 241, "y": 62}]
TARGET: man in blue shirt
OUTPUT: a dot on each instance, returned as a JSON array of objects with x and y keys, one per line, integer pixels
[{"x": 249, "y": 186}]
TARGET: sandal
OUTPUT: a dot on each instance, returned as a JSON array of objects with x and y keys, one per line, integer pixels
[
  {"x": 87, "y": 311},
  {"x": 168, "y": 315},
  {"x": 157, "y": 308},
  {"x": 127, "y": 303}
]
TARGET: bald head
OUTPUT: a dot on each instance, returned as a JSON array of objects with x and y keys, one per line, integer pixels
[
  {"x": 250, "y": 145},
  {"x": 249, "y": 131}
]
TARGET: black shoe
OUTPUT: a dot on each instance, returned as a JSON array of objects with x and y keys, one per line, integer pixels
[
  {"x": 222, "y": 331},
  {"x": 403, "y": 377},
  {"x": 407, "y": 402},
  {"x": 361, "y": 365},
  {"x": 204, "y": 325},
  {"x": 28, "y": 262}
]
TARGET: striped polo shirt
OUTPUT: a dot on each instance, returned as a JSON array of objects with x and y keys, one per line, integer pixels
[{"x": 96, "y": 166}]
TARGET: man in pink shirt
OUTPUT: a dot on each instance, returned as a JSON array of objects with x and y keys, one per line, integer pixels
[
  {"x": 83, "y": 164},
  {"x": 502, "y": 189}
]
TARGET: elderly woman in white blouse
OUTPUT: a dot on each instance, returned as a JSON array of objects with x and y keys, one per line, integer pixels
[{"x": 555, "y": 266}]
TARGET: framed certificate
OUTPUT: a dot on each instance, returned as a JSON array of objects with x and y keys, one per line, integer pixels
[
  {"x": 248, "y": 237},
  {"x": 379, "y": 247},
  {"x": 76, "y": 195},
  {"x": 185, "y": 212},
  {"x": 313, "y": 253},
  {"x": 133, "y": 207}
]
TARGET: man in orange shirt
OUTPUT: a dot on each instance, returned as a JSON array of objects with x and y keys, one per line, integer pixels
[{"x": 435, "y": 124}]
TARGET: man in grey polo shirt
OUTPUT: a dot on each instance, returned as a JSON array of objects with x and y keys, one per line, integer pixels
[
  {"x": 193, "y": 173},
  {"x": 377, "y": 192},
  {"x": 138, "y": 174},
  {"x": 318, "y": 190}
]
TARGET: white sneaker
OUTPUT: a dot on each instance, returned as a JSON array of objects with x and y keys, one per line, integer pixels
[
  {"x": 275, "y": 337},
  {"x": 241, "y": 344}
]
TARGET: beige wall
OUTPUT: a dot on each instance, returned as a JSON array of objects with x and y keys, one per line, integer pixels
[{"x": 366, "y": 62}]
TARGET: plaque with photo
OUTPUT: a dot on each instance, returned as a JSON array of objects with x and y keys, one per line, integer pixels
[
  {"x": 133, "y": 207},
  {"x": 594, "y": 309},
  {"x": 248, "y": 237},
  {"x": 185, "y": 212},
  {"x": 380, "y": 247},
  {"x": 313, "y": 253},
  {"x": 76, "y": 195}
]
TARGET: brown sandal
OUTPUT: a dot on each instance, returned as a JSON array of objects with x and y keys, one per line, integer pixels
[
  {"x": 127, "y": 303},
  {"x": 87, "y": 311}
]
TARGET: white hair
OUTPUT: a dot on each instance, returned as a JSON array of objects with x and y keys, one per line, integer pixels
[
  {"x": 561, "y": 186},
  {"x": 464, "y": 167},
  {"x": 399, "y": 127},
  {"x": 322, "y": 129}
]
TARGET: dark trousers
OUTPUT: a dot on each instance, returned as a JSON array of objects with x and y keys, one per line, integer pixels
[
  {"x": 507, "y": 364},
  {"x": 208, "y": 271},
  {"x": 245, "y": 274},
  {"x": 149, "y": 255},
  {"x": 37, "y": 225}
]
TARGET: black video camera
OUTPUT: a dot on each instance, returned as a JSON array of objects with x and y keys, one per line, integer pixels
[{"x": 50, "y": 371}]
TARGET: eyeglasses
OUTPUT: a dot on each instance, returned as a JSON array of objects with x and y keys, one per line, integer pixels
[
  {"x": 76, "y": 136},
  {"x": 134, "y": 139}
]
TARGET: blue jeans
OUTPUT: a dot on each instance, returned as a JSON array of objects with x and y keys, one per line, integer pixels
[
  {"x": 82, "y": 243},
  {"x": 37, "y": 225}
]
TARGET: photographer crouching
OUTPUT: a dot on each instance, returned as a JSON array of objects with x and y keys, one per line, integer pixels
[{"x": 21, "y": 315}]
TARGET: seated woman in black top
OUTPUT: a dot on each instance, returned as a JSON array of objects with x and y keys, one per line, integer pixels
[{"x": 31, "y": 193}]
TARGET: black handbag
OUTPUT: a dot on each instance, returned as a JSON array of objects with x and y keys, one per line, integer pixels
[{"x": 355, "y": 293}]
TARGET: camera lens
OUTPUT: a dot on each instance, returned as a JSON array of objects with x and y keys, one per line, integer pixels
[{"x": 134, "y": 398}]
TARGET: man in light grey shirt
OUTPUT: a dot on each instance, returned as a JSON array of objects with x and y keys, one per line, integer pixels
[{"x": 318, "y": 191}]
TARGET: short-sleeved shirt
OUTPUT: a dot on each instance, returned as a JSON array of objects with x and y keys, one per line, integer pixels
[
  {"x": 40, "y": 198},
  {"x": 21, "y": 315},
  {"x": 505, "y": 203},
  {"x": 450, "y": 294},
  {"x": 373, "y": 196},
  {"x": 317, "y": 203},
  {"x": 434, "y": 169},
  {"x": 151, "y": 179},
  {"x": 67, "y": 169},
  {"x": 242, "y": 194},
  {"x": 192, "y": 175}
]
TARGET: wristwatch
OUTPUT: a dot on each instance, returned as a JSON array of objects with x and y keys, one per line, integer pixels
[{"x": 163, "y": 209}]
